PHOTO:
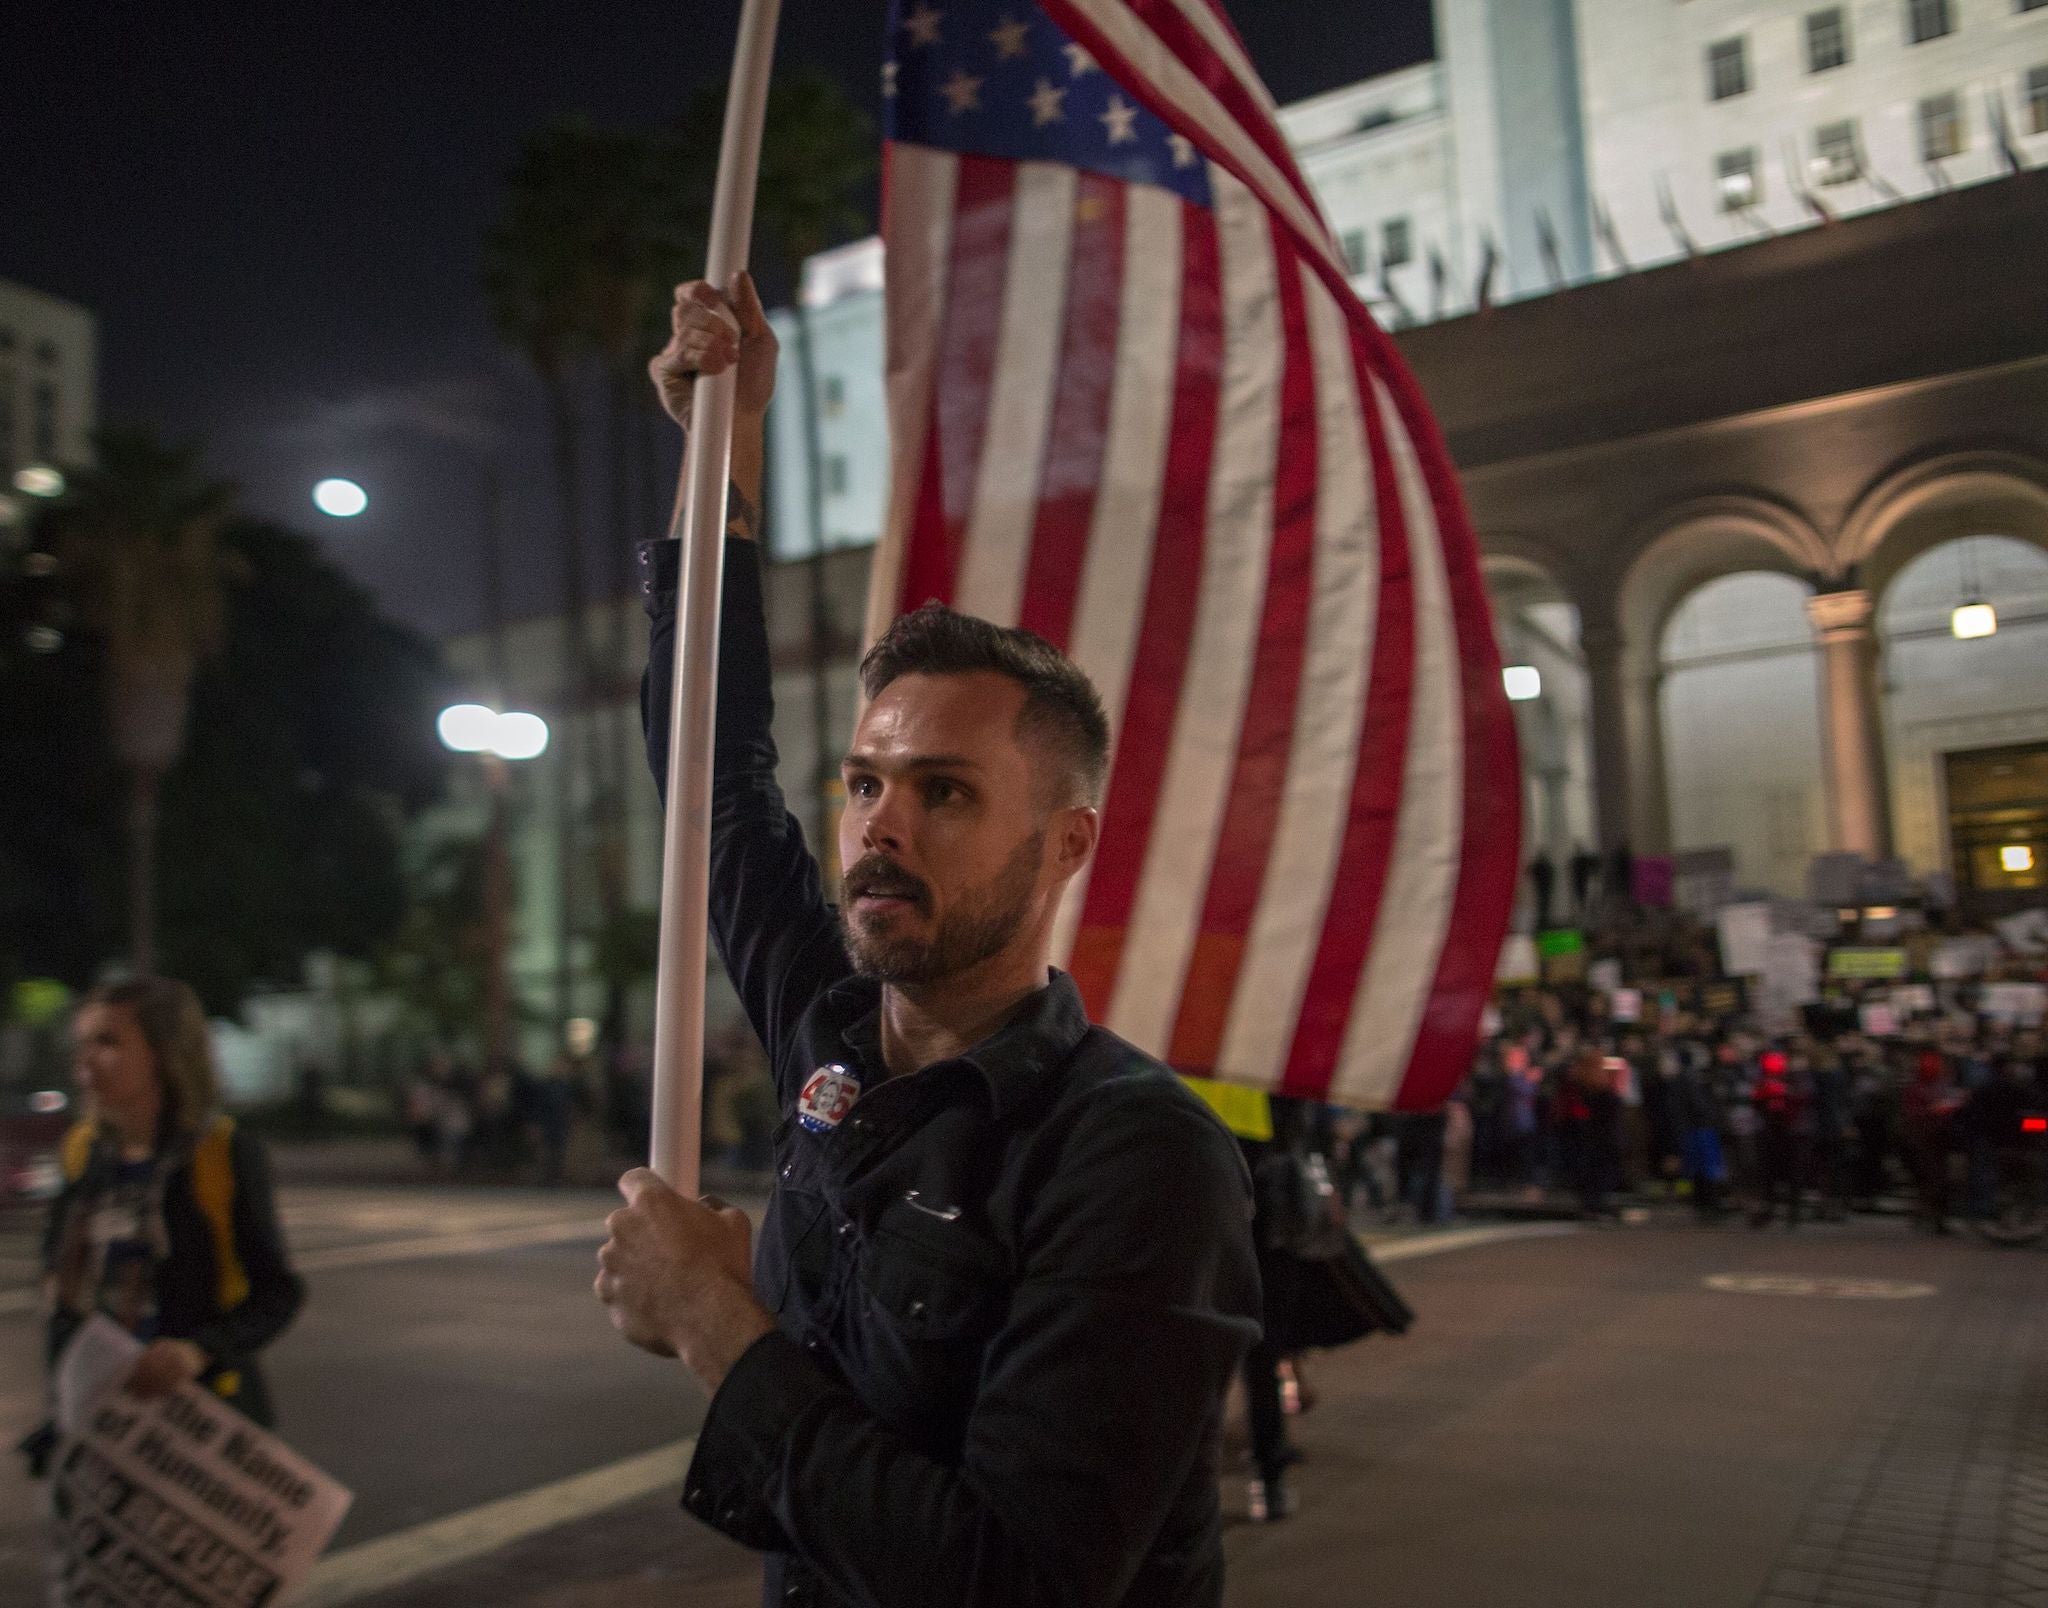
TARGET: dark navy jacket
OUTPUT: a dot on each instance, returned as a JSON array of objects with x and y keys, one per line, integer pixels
[{"x": 1011, "y": 1287}]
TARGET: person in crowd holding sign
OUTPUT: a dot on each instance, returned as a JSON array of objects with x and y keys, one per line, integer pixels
[
  {"x": 165, "y": 1222},
  {"x": 1007, "y": 1271}
]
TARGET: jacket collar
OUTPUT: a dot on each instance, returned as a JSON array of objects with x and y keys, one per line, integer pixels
[{"x": 1014, "y": 1061}]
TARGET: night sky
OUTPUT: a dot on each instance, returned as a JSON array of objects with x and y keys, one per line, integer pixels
[{"x": 276, "y": 213}]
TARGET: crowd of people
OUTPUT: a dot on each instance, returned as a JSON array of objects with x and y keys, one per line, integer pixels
[{"x": 1693, "y": 1096}]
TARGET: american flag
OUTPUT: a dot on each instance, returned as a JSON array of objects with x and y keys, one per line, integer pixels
[{"x": 1135, "y": 406}]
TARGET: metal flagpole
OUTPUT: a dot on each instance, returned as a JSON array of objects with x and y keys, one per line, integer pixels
[{"x": 686, "y": 829}]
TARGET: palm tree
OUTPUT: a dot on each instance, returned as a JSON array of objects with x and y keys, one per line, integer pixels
[
  {"x": 138, "y": 540},
  {"x": 537, "y": 259}
]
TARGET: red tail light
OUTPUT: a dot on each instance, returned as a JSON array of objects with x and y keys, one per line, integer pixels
[{"x": 2034, "y": 1124}]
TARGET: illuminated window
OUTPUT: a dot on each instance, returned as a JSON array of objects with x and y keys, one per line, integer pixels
[
  {"x": 1827, "y": 39},
  {"x": 1353, "y": 242},
  {"x": 1941, "y": 127},
  {"x": 2037, "y": 98},
  {"x": 1738, "y": 180},
  {"x": 1927, "y": 19},
  {"x": 1834, "y": 152},
  {"x": 1396, "y": 247},
  {"x": 1727, "y": 68}
]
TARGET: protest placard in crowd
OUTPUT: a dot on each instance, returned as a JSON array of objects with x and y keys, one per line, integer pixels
[{"x": 177, "y": 1502}]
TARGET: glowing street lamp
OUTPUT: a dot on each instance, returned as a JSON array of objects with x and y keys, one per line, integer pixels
[
  {"x": 1973, "y": 620},
  {"x": 1523, "y": 682},
  {"x": 479, "y": 729},
  {"x": 340, "y": 499}
]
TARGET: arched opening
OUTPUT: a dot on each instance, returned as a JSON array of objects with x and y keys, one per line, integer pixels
[
  {"x": 1967, "y": 717},
  {"x": 1740, "y": 700},
  {"x": 1538, "y": 626},
  {"x": 1681, "y": 553}
]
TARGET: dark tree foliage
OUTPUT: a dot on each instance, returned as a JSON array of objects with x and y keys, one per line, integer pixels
[{"x": 311, "y": 739}]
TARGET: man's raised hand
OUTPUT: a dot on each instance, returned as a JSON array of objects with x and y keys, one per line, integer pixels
[{"x": 709, "y": 333}]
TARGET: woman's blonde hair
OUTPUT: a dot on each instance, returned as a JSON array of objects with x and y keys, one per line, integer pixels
[{"x": 173, "y": 1024}]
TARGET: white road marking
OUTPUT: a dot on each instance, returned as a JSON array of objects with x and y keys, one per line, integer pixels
[
  {"x": 1462, "y": 1239},
  {"x": 394, "y": 1559},
  {"x": 587, "y": 1226}
]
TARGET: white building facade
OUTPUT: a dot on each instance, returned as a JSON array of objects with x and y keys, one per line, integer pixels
[{"x": 49, "y": 356}]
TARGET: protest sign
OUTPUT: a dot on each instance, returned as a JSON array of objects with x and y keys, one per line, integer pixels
[
  {"x": 1518, "y": 962},
  {"x": 1626, "y": 1005},
  {"x": 2022, "y": 1004},
  {"x": 1880, "y": 1021},
  {"x": 179, "y": 1502},
  {"x": 1867, "y": 963},
  {"x": 1745, "y": 933},
  {"x": 1604, "y": 975}
]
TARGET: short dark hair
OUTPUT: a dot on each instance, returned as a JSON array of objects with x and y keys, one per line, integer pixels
[{"x": 1061, "y": 706}]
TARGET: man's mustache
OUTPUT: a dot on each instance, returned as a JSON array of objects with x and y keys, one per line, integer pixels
[{"x": 878, "y": 874}]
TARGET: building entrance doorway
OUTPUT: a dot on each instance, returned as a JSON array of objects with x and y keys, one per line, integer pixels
[{"x": 1998, "y": 828}]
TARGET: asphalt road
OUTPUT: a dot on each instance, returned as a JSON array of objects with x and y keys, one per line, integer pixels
[
  {"x": 450, "y": 1353},
  {"x": 1651, "y": 1417}
]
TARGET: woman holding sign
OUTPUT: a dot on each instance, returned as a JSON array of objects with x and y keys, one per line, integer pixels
[{"x": 166, "y": 1223}]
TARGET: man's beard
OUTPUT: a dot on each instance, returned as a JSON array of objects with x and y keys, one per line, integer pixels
[{"x": 980, "y": 924}]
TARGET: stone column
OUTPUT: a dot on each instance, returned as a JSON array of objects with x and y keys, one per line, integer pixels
[
  {"x": 1607, "y": 732},
  {"x": 1859, "y": 811}
]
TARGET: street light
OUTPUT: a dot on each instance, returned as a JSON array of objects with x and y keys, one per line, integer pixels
[
  {"x": 470, "y": 728},
  {"x": 340, "y": 499}
]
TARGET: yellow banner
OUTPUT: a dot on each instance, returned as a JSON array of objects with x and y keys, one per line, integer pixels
[{"x": 1245, "y": 1112}]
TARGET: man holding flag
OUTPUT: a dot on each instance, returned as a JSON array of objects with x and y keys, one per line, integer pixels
[
  {"x": 1006, "y": 1273},
  {"x": 1137, "y": 412}
]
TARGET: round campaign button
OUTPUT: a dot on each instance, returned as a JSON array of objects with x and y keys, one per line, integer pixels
[{"x": 828, "y": 1094}]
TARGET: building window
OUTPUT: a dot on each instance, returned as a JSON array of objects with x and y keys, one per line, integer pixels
[
  {"x": 1927, "y": 19},
  {"x": 1727, "y": 68},
  {"x": 1396, "y": 248},
  {"x": 1353, "y": 242},
  {"x": 835, "y": 474},
  {"x": 1834, "y": 153},
  {"x": 833, "y": 401},
  {"x": 1738, "y": 179},
  {"x": 1941, "y": 128},
  {"x": 2037, "y": 98},
  {"x": 1827, "y": 39}
]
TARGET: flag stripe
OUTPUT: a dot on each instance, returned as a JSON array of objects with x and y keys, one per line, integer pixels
[
  {"x": 1166, "y": 85},
  {"x": 1376, "y": 786},
  {"x": 1118, "y": 560},
  {"x": 1415, "y": 907},
  {"x": 1492, "y": 826},
  {"x": 970, "y": 324},
  {"x": 1258, "y": 777},
  {"x": 918, "y": 217},
  {"x": 997, "y": 544},
  {"x": 1185, "y": 37},
  {"x": 1310, "y": 831},
  {"x": 1160, "y": 660},
  {"x": 1236, "y": 526},
  {"x": 1079, "y": 437}
]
